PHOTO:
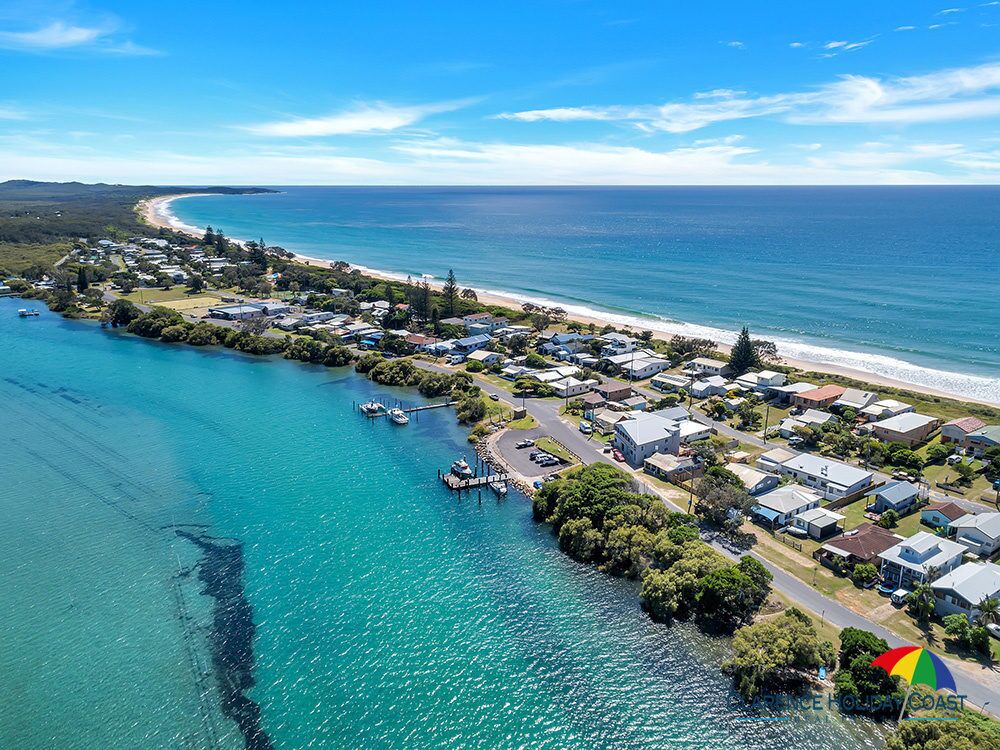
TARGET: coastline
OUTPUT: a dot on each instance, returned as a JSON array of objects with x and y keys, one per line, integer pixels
[{"x": 156, "y": 212}]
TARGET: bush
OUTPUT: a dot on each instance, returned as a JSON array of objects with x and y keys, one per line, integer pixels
[
  {"x": 889, "y": 519},
  {"x": 203, "y": 334},
  {"x": 474, "y": 366},
  {"x": 174, "y": 333},
  {"x": 863, "y": 573}
]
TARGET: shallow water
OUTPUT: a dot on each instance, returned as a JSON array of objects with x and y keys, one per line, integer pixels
[
  {"x": 889, "y": 280},
  {"x": 386, "y": 613}
]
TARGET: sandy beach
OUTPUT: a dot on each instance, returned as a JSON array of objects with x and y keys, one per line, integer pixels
[{"x": 156, "y": 212}]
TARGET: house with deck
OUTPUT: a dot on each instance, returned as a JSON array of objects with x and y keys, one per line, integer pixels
[
  {"x": 979, "y": 532},
  {"x": 909, "y": 428},
  {"x": 831, "y": 479},
  {"x": 644, "y": 434},
  {"x": 754, "y": 481},
  {"x": 776, "y": 508},
  {"x": 966, "y": 587},
  {"x": 922, "y": 558},
  {"x": 888, "y": 407},
  {"x": 818, "y": 398},
  {"x": 707, "y": 366},
  {"x": 898, "y": 496},
  {"x": 863, "y": 544}
]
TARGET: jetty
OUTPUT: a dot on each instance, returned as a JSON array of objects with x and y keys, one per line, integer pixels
[
  {"x": 409, "y": 410},
  {"x": 456, "y": 484}
]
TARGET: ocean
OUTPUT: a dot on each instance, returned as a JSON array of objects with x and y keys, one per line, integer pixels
[
  {"x": 896, "y": 281},
  {"x": 173, "y": 514}
]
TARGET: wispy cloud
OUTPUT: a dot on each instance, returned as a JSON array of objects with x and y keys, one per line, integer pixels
[
  {"x": 796, "y": 45},
  {"x": 953, "y": 94},
  {"x": 377, "y": 117},
  {"x": 909, "y": 28},
  {"x": 949, "y": 11},
  {"x": 59, "y": 35},
  {"x": 734, "y": 43}
]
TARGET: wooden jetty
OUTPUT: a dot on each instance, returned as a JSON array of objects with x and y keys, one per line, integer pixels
[
  {"x": 455, "y": 483},
  {"x": 409, "y": 410}
]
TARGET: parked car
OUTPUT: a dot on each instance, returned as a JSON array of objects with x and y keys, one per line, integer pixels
[
  {"x": 586, "y": 428},
  {"x": 617, "y": 455},
  {"x": 899, "y": 596},
  {"x": 494, "y": 397},
  {"x": 994, "y": 629},
  {"x": 524, "y": 443}
]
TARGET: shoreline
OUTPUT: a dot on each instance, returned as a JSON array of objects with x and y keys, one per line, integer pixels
[{"x": 155, "y": 211}]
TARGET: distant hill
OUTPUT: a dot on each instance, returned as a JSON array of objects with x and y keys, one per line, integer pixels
[{"x": 52, "y": 191}]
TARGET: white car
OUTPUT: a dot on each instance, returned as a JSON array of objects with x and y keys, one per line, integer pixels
[
  {"x": 994, "y": 630},
  {"x": 586, "y": 428}
]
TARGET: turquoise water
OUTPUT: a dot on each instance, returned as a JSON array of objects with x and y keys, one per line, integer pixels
[
  {"x": 385, "y": 613},
  {"x": 890, "y": 280}
]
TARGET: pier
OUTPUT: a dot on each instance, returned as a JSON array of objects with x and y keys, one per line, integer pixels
[
  {"x": 454, "y": 483},
  {"x": 408, "y": 410}
]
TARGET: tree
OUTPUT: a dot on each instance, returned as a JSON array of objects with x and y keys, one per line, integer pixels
[
  {"x": 743, "y": 356},
  {"x": 920, "y": 602},
  {"x": 450, "y": 293},
  {"x": 767, "y": 352},
  {"x": 81, "y": 280},
  {"x": 889, "y": 519},
  {"x": 965, "y": 473},
  {"x": 748, "y": 415},
  {"x": 470, "y": 294},
  {"x": 121, "y": 312},
  {"x": 863, "y": 573},
  {"x": 518, "y": 345},
  {"x": 729, "y": 598},
  {"x": 967, "y": 731},
  {"x": 989, "y": 611},
  {"x": 580, "y": 540},
  {"x": 722, "y": 503},
  {"x": 937, "y": 453},
  {"x": 195, "y": 283},
  {"x": 959, "y": 628}
]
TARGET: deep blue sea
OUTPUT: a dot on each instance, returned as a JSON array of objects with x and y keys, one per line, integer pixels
[
  {"x": 383, "y": 613},
  {"x": 898, "y": 281}
]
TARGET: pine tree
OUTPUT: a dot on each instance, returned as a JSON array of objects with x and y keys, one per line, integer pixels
[
  {"x": 209, "y": 238},
  {"x": 81, "y": 280},
  {"x": 450, "y": 292},
  {"x": 743, "y": 356}
]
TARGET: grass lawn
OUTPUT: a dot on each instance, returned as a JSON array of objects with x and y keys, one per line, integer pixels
[
  {"x": 932, "y": 636},
  {"x": 526, "y": 422},
  {"x": 549, "y": 445},
  {"x": 944, "y": 473},
  {"x": 854, "y": 516},
  {"x": 14, "y": 258},
  {"x": 174, "y": 294}
]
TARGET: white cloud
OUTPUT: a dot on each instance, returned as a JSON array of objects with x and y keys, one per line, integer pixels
[
  {"x": 378, "y": 117},
  {"x": 735, "y": 44},
  {"x": 59, "y": 35},
  {"x": 909, "y": 28},
  {"x": 796, "y": 45},
  {"x": 953, "y": 94},
  {"x": 948, "y": 11}
]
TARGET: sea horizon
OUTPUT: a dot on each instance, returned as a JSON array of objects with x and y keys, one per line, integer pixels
[{"x": 868, "y": 337}]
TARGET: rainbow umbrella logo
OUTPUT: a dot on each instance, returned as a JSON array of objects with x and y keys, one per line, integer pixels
[{"x": 917, "y": 666}]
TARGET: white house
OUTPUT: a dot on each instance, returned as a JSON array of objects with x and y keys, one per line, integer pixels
[
  {"x": 485, "y": 356},
  {"x": 980, "y": 533},
  {"x": 714, "y": 385},
  {"x": 777, "y": 507},
  {"x": 922, "y": 557},
  {"x": 886, "y": 408},
  {"x": 644, "y": 367},
  {"x": 772, "y": 459},
  {"x": 855, "y": 398},
  {"x": 644, "y": 434},
  {"x": 784, "y": 393},
  {"x": 569, "y": 387},
  {"x": 617, "y": 343},
  {"x": 832, "y": 478},
  {"x": 692, "y": 431},
  {"x": 755, "y": 482},
  {"x": 818, "y": 523},
  {"x": 707, "y": 366},
  {"x": 964, "y": 588},
  {"x": 814, "y": 418},
  {"x": 761, "y": 381},
  {"x": 667, "y": 383}
]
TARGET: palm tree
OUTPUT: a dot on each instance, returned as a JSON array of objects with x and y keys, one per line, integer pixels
[
  {"x": 470, "y": 294},
  {"x": 921, "y": 602},
  {"x": 989, "y": 611}
]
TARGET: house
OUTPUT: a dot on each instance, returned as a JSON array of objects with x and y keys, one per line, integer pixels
[
  {"x": 668, "y": 467},
  {"x": 861, "y": 545},
  {"x": 614, "y": 391},
  {"x": 715, "y": 385},
  {"x": 642, "y": 435},
  {"x": 856, "y": 399},
  {"x": 761, "y": 381},
  {"x": 777, "y": 507},
  {"x": 909, "y": 428},
  {"x": 980, "y": 533},
  {"x": 772, "y": 459},
  {"x": 644, "y": 367},
  {"x": 962, "y": 590},
  {"x": 634, "y": 403},
  {"x": 592, "y": 401},
  {"x": 676, "y": 413},
  {"x": 941, "y": 515},
  {"x": 236, "y": 312},
  {"x": 604, "y": 420},
  {"x": 818, "y": 523},
  {"x": 755, "y": 482},
  {"x": 667, "y": 383},
  {"x": 783, "y": 394},
  {"x": 692, "y": 431},
  {"x": 569, "y": 387},
  {"x": 706, "y": 366},
  {"x": 809, "y": 418},
  {"x": 832, "y": 478},
  {"x": 898, "y": 496},
  {"x": 617, "y": 343},
  {"x": 921, "y": 558},
  {"x": 884, "y": 409},
  {"x": 983, "y": 439},
  {"x": 452, "y": 322},
  {"x": 818, "y": 398},
  {"x": 957, "y": 430},
  {"x": 485, "y": 356},
  {"x": 471, "y": 344},
  {"x": 420, "y": 343}
]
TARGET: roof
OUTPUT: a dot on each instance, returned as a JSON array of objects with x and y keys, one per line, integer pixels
[
  {"x": 904, "y": 423},
  {"x": 668, "y": 462},
  {"x": 749, "y": 476},
  {"x": 972, "y": 581},
  {"x": 951, "y": 511},
  {"x": 811, "y": 416},
  {"x": 419, "y": 340},
  {"x": 593, "y": 398},
  {"x": 647, "y": 428},
  {"x": 966, "y": 424},
  {"x": 480, "y": 338},
  {"x": 833, "y": 471},
  {"x": 819, "y": 516},
  {"x": 931, "y": 551},
  {"x": 864, "y": 542},
  {"x": 897, "y": 491},
  {"x": 824, "y": 393},
  {"x": 776, "y": 455},
  {"x": 482, "y": 355},
  {"x": 613, "y": 387},
  {"x": 856, "y": 397},
  {"x": 991, "y": 432},
  {"x": 789, "y": 498},
  {"x": 795, "y": 388},
  {"x": 987, "y": 523},
  {"x": 707, "y": 362},
  {"x": 678, "y": 413}
]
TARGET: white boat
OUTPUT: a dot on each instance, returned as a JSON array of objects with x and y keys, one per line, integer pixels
[
  {"x": 461, "y": 469},
  {"x": 372, "y": 407},
  {"x": 398, "y": 416},
  {"x": 499, "y": 487},
  {"x": 25, "y": 313}
]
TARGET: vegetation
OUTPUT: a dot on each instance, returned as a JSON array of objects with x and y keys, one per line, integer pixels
[
  {"x": 777, "y": 653},
  {"x": 969, "y": 731},
  {"x": 743, "y": 356},
  {"x": 858, "y": 684}
]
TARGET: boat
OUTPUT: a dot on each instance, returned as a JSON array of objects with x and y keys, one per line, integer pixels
[
  {"x": 460, "y": 469},
  {"x": 370, "y": 408},
  {"x": 25, "y": 313},
  {"x": 398, "y": 416},
  {"x": 499, "y": 487}
]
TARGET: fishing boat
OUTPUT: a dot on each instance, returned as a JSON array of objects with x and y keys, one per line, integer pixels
[
  {"x": 461, "y": 469},
  {"x": 499, "y": 487},
  {"x": 370, "y": 408},
  {"x": 398, "y": 416},
  {"x": 25, "y": 313}
]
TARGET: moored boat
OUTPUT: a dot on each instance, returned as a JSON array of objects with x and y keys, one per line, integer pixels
[
  {"x": 460, "y": 469},
  {"x": 499, "y": 487},
  {"x": 398, "y": 416},
  {"x": 372, "y": 407},
  {"x": 25, "y": 313}
]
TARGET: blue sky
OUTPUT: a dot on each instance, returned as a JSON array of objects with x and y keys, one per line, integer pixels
[{"x": 563, "y": 92}]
